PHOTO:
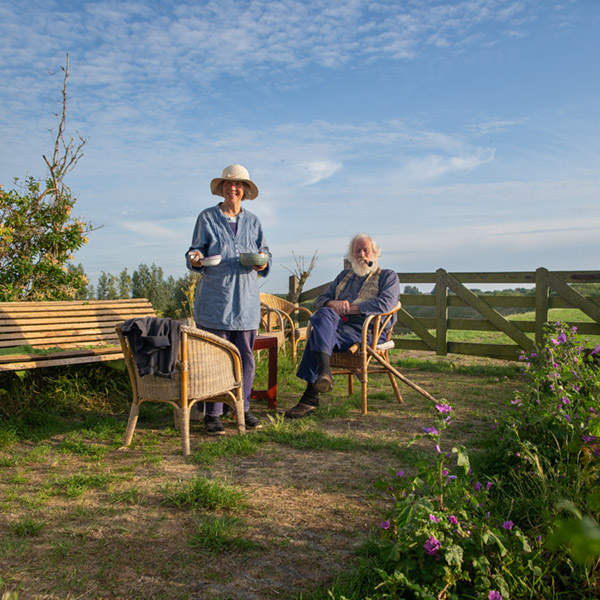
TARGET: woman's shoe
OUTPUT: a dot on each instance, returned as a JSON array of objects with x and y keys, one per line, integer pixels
[{"x": 213, "y": 425}]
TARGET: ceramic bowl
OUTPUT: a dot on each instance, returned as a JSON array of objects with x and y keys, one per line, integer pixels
[
  {"x": 253, "y": 259},
  {"x": 211, "y": 261}
]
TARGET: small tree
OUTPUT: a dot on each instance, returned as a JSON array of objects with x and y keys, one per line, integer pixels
[
  {"x": 37, "y": 233},
  {"x": 301, "y": 273}
]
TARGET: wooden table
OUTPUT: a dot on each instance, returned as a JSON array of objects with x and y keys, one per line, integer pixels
[{"x": 265, "y": 342}]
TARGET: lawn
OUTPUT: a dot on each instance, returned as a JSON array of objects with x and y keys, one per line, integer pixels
[{"x": 277, "y": 513}]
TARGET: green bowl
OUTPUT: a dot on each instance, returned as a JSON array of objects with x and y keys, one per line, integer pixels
[{"x": 253, "y": 259}]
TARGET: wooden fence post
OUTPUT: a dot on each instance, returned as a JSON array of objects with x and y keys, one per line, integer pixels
[
  {"x": 293, "y": 287},
  {"x": 441, "y": 313},
  {"x": 542, "y": 292}
]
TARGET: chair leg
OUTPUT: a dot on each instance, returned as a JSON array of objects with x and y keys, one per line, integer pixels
[
  {"x": 184, "y": 420},
  {"x": 350, "y": 384},
  {"x": 364, "y": 385},
  {"x": 131, "y": 423},
  {"x": 396, "y": 387}
]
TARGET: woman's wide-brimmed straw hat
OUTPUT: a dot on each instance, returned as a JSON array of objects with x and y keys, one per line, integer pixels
[{"x": 235, "y": 173}]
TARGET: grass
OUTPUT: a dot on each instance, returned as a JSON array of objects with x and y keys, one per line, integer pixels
[{"x": 273, "y": 513}]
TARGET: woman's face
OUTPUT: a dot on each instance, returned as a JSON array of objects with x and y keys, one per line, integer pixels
[{"x": 233, "y": 192}]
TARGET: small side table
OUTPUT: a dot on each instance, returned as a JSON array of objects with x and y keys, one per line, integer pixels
[{"x": 265, "y": 342}]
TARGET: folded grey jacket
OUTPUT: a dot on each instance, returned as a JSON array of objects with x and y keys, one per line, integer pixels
[{"x": 155, "y": 344}]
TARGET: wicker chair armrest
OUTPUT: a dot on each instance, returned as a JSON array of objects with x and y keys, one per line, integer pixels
[{"x": 200, "y": 335}]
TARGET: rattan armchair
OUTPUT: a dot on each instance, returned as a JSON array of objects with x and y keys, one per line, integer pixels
[
  {"x": 278, "y": 319},
  {"x": 363, "y": 359},
  {"x": 207, "y": 366}
]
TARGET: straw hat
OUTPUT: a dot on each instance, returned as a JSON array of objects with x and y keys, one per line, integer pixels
[{"x": 235, "y": 173}]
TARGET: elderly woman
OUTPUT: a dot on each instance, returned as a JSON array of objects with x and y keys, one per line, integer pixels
[{"x": 227, "y": 299}]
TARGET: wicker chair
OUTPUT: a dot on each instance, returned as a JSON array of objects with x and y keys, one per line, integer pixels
[
  {"x": 277, "y": 320},
  {"x": 363, "y": 359},
  {"x": 207, "y": 366}
]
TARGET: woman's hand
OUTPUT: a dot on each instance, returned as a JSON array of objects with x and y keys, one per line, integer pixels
[
  {"x": 263, "y": 267},
  {"x": 195, "y": 258}
]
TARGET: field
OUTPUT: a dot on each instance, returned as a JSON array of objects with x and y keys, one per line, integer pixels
[{"x": 275, "y": 514}]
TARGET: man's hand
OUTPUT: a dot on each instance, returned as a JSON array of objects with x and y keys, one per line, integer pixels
[{"x": 341, "y": 307}]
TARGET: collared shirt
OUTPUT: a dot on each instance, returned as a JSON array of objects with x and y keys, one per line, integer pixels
[{"x": 227, "y": 296}]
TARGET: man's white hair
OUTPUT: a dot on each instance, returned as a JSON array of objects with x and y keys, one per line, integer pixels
[{"x": 362, "y": 236}]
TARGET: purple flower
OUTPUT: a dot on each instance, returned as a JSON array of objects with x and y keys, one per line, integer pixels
[
  {"x": 453, "y": 520},
  {"x": 562, "y": 338},
  {"x": 565, "y": 400},
  {"x": 595, "y": 350},
  {"x": 445, "y": 472},
  {"x": 434, "y": 518},
  {"x": 438, "y": 449},
  {"x": 477, "y": 486},
  {"x": 432, "y": 546},
  {"x": 494, "y": 595},
  {"x": 576, "y": 388},
  {"x": 508, "y": 525},
  {"x": 567, "y": 417},
  {"x": 385, "y": 524},
  {"x": 430, "y": 430},
  {"x": 489, "y": 485},
  {"x": 444, "y": 408},
  {"x": 588, "y": 438},
  {"x": 400, "y": 473}
]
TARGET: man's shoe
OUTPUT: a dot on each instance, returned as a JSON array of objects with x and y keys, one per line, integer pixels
[
  {"x": 299, "y": 411},
  {"x": 252, "y": 422},
  {"x": 324, "y": 383},
  {"x": 213, "y": 426}
]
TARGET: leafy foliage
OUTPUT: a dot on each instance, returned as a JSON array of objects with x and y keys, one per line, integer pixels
[
  {"x": 37, "y": 232},
  {"x": 520, "y": 521}
]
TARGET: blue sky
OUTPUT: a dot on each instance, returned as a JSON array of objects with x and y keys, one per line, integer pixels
[{"x": 460, "y": 134}]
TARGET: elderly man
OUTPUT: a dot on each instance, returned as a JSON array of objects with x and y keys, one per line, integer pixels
[{"x": 364, "y": 289}]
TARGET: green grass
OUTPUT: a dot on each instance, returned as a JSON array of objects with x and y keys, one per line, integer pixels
[
  {"x": 218, "y": 534},
  {"x": 203, "y": 493}
]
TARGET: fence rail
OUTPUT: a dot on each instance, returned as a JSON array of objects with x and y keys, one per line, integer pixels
[{"x": 553, "y": 289}]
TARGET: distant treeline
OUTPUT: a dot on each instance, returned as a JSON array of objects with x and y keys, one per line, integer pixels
[{"x": 170, "y": 297}]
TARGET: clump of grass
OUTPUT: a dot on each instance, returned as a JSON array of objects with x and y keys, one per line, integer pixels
[
  {"x": 131, "y": 496},
  {"x": 75, "y": 485},
  {"x": 27, "y": 527},
  {"x": 203, "y": 493},
  {"x": 239, "y": 445},
  {"x": 305, "y": 436},
  {"x": 83, "y": 449},
  {"x": 219, "y": 534}
]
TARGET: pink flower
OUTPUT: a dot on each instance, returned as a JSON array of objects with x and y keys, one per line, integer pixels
[
  {"x": 444, "y": 408},
  {"x": 432, "y": 546},
  {"x": 508, "y": 525},
  {"x": 385, "y": 524},
  {"x": 494, "y": 595},
  {"x": 434, "y": 518},
  {"x": 453, "y": 520}
]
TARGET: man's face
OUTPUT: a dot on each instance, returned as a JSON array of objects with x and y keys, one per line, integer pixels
[
  {"x": 362, "y": 255},
  {"x": 363, "y": 250}
]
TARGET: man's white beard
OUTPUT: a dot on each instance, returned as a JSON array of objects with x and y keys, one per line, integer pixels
[{"x": 361, "y": 268}]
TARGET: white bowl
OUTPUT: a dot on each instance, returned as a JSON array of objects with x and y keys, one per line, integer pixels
[{"x": 211, "y": 261}]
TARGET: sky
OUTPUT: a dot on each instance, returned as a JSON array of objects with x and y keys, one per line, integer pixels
[{"x": 460, "y": 134}]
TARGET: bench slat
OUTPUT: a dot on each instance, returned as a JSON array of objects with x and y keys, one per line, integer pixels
[
  {"x": 74, "y": 360},
  {"x": 85, "y": 330}
]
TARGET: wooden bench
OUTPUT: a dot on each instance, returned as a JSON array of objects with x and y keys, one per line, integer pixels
[{"x": 80, "y": 331}]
